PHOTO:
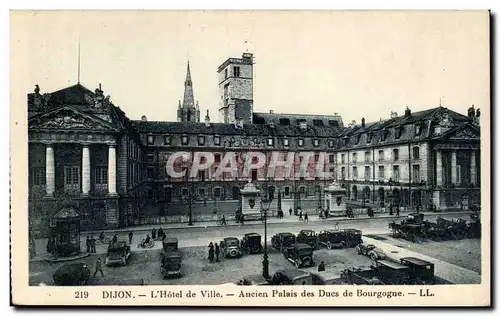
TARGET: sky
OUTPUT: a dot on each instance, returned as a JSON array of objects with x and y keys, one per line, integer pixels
[{"x": 356, "y": 64}]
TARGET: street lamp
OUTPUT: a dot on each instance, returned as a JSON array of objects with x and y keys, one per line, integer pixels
[{"x": 265, "y": 202}]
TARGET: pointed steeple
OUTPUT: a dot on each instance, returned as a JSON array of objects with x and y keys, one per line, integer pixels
[{"x": 188, "y": 101}]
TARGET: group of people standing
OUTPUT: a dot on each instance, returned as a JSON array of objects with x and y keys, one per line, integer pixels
[{"x": 213, "y": 252}]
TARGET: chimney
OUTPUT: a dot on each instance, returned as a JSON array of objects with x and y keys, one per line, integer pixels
[
  {"x": 363, "y": 125},
  {"x": 407, "y": 112},
  {"x": 144, "y": 118},
  {"x": 207, "y": 120},
  {"x": 394, "y": 114},
  {"x": 271, "y": 112},
  {"x": 247, "y": 56}
]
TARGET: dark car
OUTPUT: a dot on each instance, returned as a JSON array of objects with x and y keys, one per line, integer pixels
[
  {"x": 301, "y": 255},
  {"x": 361, "y": 277},
  {"x": 370, "y": 251},
  {"x": 118, "y": 253},
  {"x": 171, "y": 262},
  {"x": 307, "y": 236},
  {"x": 230, "y": 247},
  {"x": 251, "y": 243},
  {"x": 72, "y": 274},
  {"x": 332, "y": 238},
  {"x": 391, "y": 272},
  {"x": 421, "y": 271},
  {"x": 354, "y": 237},
  {"x": 281, "y": 241},
  {"x": 170, "y": 244},
  {"x": 292, "y": 277}
]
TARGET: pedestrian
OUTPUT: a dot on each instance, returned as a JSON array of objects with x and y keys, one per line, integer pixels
[
  {"x": 290, "y": 211},
  {"x": 337, "y": 226},
  {"x": 321, "y": 266},
  {"x": 306, "y": 218},
  {"x": 115, "y": 238},
  {"x": 153, "y": 233},
  {"x": 211, "y": 252},
  {"x": 390, "y": 210},
  {"x": 223, "y": 220},
  {"x": 217, "y": 252},
  {"x": 87, "y": 243},
  {"x": 300, "y": 215},
  {"x": 161, "y": 233},
  {"x": 50, "y": 245},
  {"x": 130, "y": 236},
  {"x": 397, "y": 211},
  {"x": 92, "y": 244},
  {"x": 242, "y": 219},
  {"x": 98, "y": 267}
]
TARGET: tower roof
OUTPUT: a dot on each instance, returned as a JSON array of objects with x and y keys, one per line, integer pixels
[{"x": 188, "y": 101}]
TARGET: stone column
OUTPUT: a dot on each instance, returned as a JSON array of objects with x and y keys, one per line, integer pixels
[
  {"x": 454, "y": 167},
  {"x": 50, "y": 174},
  {"x": 85, "y": 170},
  {"x": 473, "y": 171},
  {"x": 112, "y": 170},
  {"x": 439, "y": 168}
]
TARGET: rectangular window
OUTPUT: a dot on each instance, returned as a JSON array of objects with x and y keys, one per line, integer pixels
[
  {"x": 201, "y": 191},
  {"x": 380, "y": 155},
  {"x": 270, "y": 141},
  {"x": 151, "y": 139},
  {"x": 367, "y": 173},
  {"x": 381, "y": 173},
  {"x": 342, "y": 173},
  {"x": 217, "y": 158},
  {"x": 217, "y": 192},
  {"x": 354, "y": 158},
  {"x": 236, "y": 71},
  {"x": 367, "y": 156},
  {"x": 72, "y": 178},
  {"x": 101, "y": 175},
  {"x": 395, "y": 154},
  {"x": 38, "y": 176},
  {"x": 287, "y": 191},
  {"x": 216, "y": 140},
  {"x": 285, "y": 142},
  {"x": 151, "y": 157},
  {"x": 330, "y": 143},
  {"x": 354, "y": 172},
  {"x": 416, "y": 173},
  {"x": 316, "y": 142},
  {"x": 342, "y": 158},
  {"x": 201, "y": 140},
  {"x": 184, "y": 139},
  {"x": 399, "y": 131},
  {"x": 416, "y": 153},
  {"x": 302, "y": 189},
  {"x": 316, "y": 157},
  {"x": 369, "y": 138},
  {"x": 418, "y": 129},
  {"x": 225, "y": 73},
  {"x": 300, "y": 142},
  {"x": 358, "y": 137},
  {"x": 201, "y": 175},
  {"x": 167, "y": 140},
  {"x": 395, "y": 173},
  {"x": 254, "y": 175},
  {"x": 331, "y": 158}
]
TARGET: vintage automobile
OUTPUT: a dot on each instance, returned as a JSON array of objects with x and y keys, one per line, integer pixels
[
  {"x": 72, "y": 274},
  {"x": 253, "y": 279},
  {"x": 118, "y": 253},
  {"x": 307, "y": 236},
  {"x": 170, "y": 244},
  {"x": 345, "y": 238},
  {"x": 301, "y": 255},
  {"x": 251, "y": 243},
  {"x": 354, "y": 237},
  {"x": 282, "y": 240},
  {"x": 421, "y": 271},
  {"x": 230, "y": 247},
  {"x": 391, "y": 272},
  {"x": 370, "y": 251},
  {"x": 361, "y": 277},
  {"x": 171, "y": 262},
  {"x": 327, "y": 278},
  {"x": 413, "y": 218},
  {"x": 292, "y": 277}
]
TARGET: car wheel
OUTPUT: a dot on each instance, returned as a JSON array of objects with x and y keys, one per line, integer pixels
[
  {"x": 373, "y": 256},
  {"x": 329, "y": 245},
  {"x": 298, "y": 263}
]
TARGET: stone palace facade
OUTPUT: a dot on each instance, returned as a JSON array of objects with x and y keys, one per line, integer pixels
[{"x": 86, "y": 154}]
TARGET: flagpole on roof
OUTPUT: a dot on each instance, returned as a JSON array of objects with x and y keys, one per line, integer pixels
[{"x": 78, "y": 60}]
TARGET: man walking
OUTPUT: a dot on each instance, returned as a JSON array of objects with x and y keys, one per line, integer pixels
[
  {"x": 337, "y": 226},
  {"x": 306, "y": 218},
  {"x": 211, "y": 252},
  {"x": 300, "y": 215},
  {"x": 98, "y": 267},
  {"x": 87, "y": 243},
  {"x": 290, "y": 211},
  {"x": 217, "y": 252},
  {"x": 223, "y": 220},
  {"x": 397, "y": 211},
  {"x": 130, "y": 236}
]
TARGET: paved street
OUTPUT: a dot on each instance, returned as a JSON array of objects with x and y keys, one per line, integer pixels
[{"x": 196, "y": 269}]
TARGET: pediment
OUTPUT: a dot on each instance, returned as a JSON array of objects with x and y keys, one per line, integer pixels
[
  {"x": 465, "y": 133},
  {"x": 68, "y": 118}
]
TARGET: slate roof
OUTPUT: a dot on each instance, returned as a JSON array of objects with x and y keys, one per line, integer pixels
[
  {"x": 310, "y": 119},
  {"x": 160, "y": 127}
]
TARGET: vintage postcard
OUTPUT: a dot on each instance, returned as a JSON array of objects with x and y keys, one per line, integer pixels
[{"x": 250, "y": 158}]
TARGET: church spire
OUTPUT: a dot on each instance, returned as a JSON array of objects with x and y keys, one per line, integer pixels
[{"x": 189, "y": 111}]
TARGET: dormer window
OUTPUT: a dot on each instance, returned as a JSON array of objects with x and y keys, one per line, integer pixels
[
  {"x": 315, "y": 142},
  {"x": 358, "y": 137},
  {"x": 285, "y": 142},
  {"x": 217, "y": 140},
  {"x": 399, "y": 131},
  {"x": 418, "y": 129},
  {"x": 369, "y": 137},
  {"x": 300, "y": 142},
  {"x": 318, "y": 122},
  {"x": 201, "y": 140},
  {"x": 303, "y": 125},
  {"x": 346, "y": 140},
  {"x": 383, "y": 135},
  {"x": 167, "y": 140},
  {"x": 184, "y": 139},
  {"x": 270, "y": 141},
  {"x": 331, "y": 143},
  {"x": 151, "y": 139},
  {"x": 284, "y": 121}
]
